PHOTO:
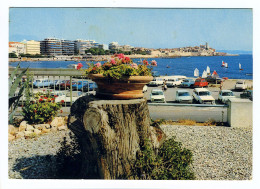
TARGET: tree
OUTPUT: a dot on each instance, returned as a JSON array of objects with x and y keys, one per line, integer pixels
[{"x": 12, "y": 55}]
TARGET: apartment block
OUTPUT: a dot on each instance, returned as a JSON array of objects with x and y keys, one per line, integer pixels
[{"x": 32, "y": 47}]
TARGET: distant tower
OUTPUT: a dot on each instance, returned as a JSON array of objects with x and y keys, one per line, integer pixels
[{"x": 207, "y": 46}]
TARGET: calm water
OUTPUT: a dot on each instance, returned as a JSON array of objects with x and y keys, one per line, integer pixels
[{"x": 177, "y": 66}]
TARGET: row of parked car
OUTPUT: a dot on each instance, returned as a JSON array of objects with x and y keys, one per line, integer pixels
[
  {"x": 65, "y": 84},
  {"x": 199, "y": 95}
]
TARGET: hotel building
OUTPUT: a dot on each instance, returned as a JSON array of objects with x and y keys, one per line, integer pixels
[{"x": 32, "y": 47}]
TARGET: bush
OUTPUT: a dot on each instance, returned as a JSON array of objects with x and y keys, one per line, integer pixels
[
  {"x": 41, "y": 110},
  {"x": 171, "y": 163}
]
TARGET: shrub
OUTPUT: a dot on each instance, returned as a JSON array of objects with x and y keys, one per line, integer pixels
[
  {"x": 171, "y": 163},
  {"x": 41, "y": 110}
]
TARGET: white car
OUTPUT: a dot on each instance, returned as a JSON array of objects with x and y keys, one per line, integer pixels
[
  {"x": 224, "y": 95},
  {"x": 203, "y": 96},
  {"x": 241, "y": 84},
  {"x": 156, "y": 81},
  {"x": 66, "y": 97},
  {"x": 157, "y": 95},
  {"x": 183, "y": 96},
  {"x": 173, "y": 82}
]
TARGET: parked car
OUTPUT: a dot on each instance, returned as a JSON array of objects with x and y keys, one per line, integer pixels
[
  {"x": 247, "y": 94},
  {"x": 213, "y": 80},
  {"x": 79, "y": 85},
  {"x": 56, "y": 94},
  {"x": 203, "y": 96},
  {"x": 183, "y": 96},
  {"x": 173, "y": 82},
  {"x": 157, "y": 95},
  {"x": 66, "y": 84},
  {"x": 56, "y": 83},
  {"x": 187, "y": 83},
  {"x": 91, "y": 86},
  {"x": 66, "y": 98},
  {"x": 200, "y": 82},
  {"x": 156, "y": 81},
  {"x": 145, "y": 88},
  {"x": 241, "y": 85},
  {"x": 224, "y": 95},
  {"x": 42, "y": 83}
]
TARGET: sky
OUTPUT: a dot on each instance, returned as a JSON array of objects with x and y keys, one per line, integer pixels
[{"x": 223, "y": 29}]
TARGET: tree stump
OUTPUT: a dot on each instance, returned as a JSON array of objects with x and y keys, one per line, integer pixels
[{"x": 111, "y": 132}]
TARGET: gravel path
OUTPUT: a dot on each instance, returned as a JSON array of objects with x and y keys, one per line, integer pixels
[
  {"x": 41, "y": 157},
  {"x": 219, "y": 153}
]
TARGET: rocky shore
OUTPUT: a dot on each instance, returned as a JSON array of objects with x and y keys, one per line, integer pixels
[{"x": 220, "y": 153}]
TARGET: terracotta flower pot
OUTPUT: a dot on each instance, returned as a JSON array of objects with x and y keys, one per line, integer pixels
[{"x": 125, "y": 88}]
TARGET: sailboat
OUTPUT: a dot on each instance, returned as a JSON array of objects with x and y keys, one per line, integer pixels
[
  {"x": 204, "y": 74},
  {"x": 223, "y": 64},
  {"x": 226, "y": 65},
  {"x": 167, "y": 66},
  {"x": 240, "y": 66},
  {"x": 208, "y": 70},
  {"x": 196, "y": 72}
]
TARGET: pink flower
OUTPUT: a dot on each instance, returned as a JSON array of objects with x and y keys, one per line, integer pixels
[
  {"x": 145, "y": 62},
  {"x": 98, "y": 64},
  {"x": 134, "y": 65},
  {"x": 112, "y": 61},
  {"x": 153, "y": 63},
  {"x": 120, "y": 56},
  {"x": 79, "y": 66}
]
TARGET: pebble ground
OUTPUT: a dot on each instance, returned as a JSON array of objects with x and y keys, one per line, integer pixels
[{"x": 219, "y": 153}]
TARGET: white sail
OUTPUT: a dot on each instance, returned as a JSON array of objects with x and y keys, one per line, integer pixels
[
  {"x": 196, "y": 72},
  {"x": 226, "y": 64},
  {"x": 239, "y": 66},
  {"x": 204, "y": 75},
  {"x": 208, "y": 70}
]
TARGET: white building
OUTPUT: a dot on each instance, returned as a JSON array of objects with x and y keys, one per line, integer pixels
[
  {"x": 17, "y": 48},
  {"x": 113, "y": 46},
  {"x": 32, "y": 47},
  {"x": 82, "y": 45}
]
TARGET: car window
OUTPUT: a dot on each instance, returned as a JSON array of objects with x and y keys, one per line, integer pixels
[
  {"x": 157, "y": 93},
  {"x": 204, "y": 93},
  {"x": 184, "y": 94},
  {"x": 227, "y": 94}
]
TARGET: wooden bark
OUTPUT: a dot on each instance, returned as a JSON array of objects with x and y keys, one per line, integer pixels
[{"x": 111, "y": 133}]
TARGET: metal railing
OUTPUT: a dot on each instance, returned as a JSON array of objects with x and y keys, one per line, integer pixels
[{"x": 50, "y": 80}]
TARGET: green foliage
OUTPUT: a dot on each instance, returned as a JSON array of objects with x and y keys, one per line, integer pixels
[
  {"x": 171, "y": 163},
  {"x": 32, "y": 55},
  {"x": 41, "y": 110},
  {"x": 12, "y": 55},
  {"x": 13, "y": 84}
]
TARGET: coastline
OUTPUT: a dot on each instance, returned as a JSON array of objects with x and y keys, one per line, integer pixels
[{"x": 101, "y": 57}]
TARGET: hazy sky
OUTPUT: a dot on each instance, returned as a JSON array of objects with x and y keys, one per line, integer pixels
[{"x": 223, "y": 29}]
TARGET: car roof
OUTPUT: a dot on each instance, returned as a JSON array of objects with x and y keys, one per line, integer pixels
[
  {"x": 200, "y": 89},
  {"x": 182, "y": 90},
  {"x": 154, "y": 90},
  {"x": 226, "y": 91}
]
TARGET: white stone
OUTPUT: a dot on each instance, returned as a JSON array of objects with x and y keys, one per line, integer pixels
[
  {"x": 11, "y": 137},
  {"x": 58, "y": 121},
  {"x": 62, "y": 128},
  {"x": 37, "y": 131},
  {"x": 44, "y": 130},
  {"x": 22, "y": 126},
  {"x": 29, "y": 127},
  {"x": 28, "y": 133},
  {"x": 12, "y": 129},
  {"x": 19, "y": 135}
]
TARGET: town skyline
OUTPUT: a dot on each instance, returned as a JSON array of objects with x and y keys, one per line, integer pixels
[{"x": 105, "y": 26}]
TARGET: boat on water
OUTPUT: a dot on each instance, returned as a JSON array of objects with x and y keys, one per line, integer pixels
[
  {"x": 72, "y": 66},
  {"x": 239, "y": 65},
  {"x": 208, "y": 70},
  {"x": 196, "y": 72},
  {"x": 223, "y": 64},
  {"x": 167, "y": 66},
  {"x": 226, "y": 65},
  {"x": 204, "y": 74}
]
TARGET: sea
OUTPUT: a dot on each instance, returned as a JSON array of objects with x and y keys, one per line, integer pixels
[{"x": 176, "y": 66}]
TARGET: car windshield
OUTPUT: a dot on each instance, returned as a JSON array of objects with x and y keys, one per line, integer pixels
[
  {"x": 204, "y": 93},
  {"x": 184, "y": 94},
  {"x": 198, "y": 80},
  {"x": 157, "y": 93},
  {"x": 239, "y": 82},
  {"x": 186, "y": 80},
  {"x": 227, "y": 94}
]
